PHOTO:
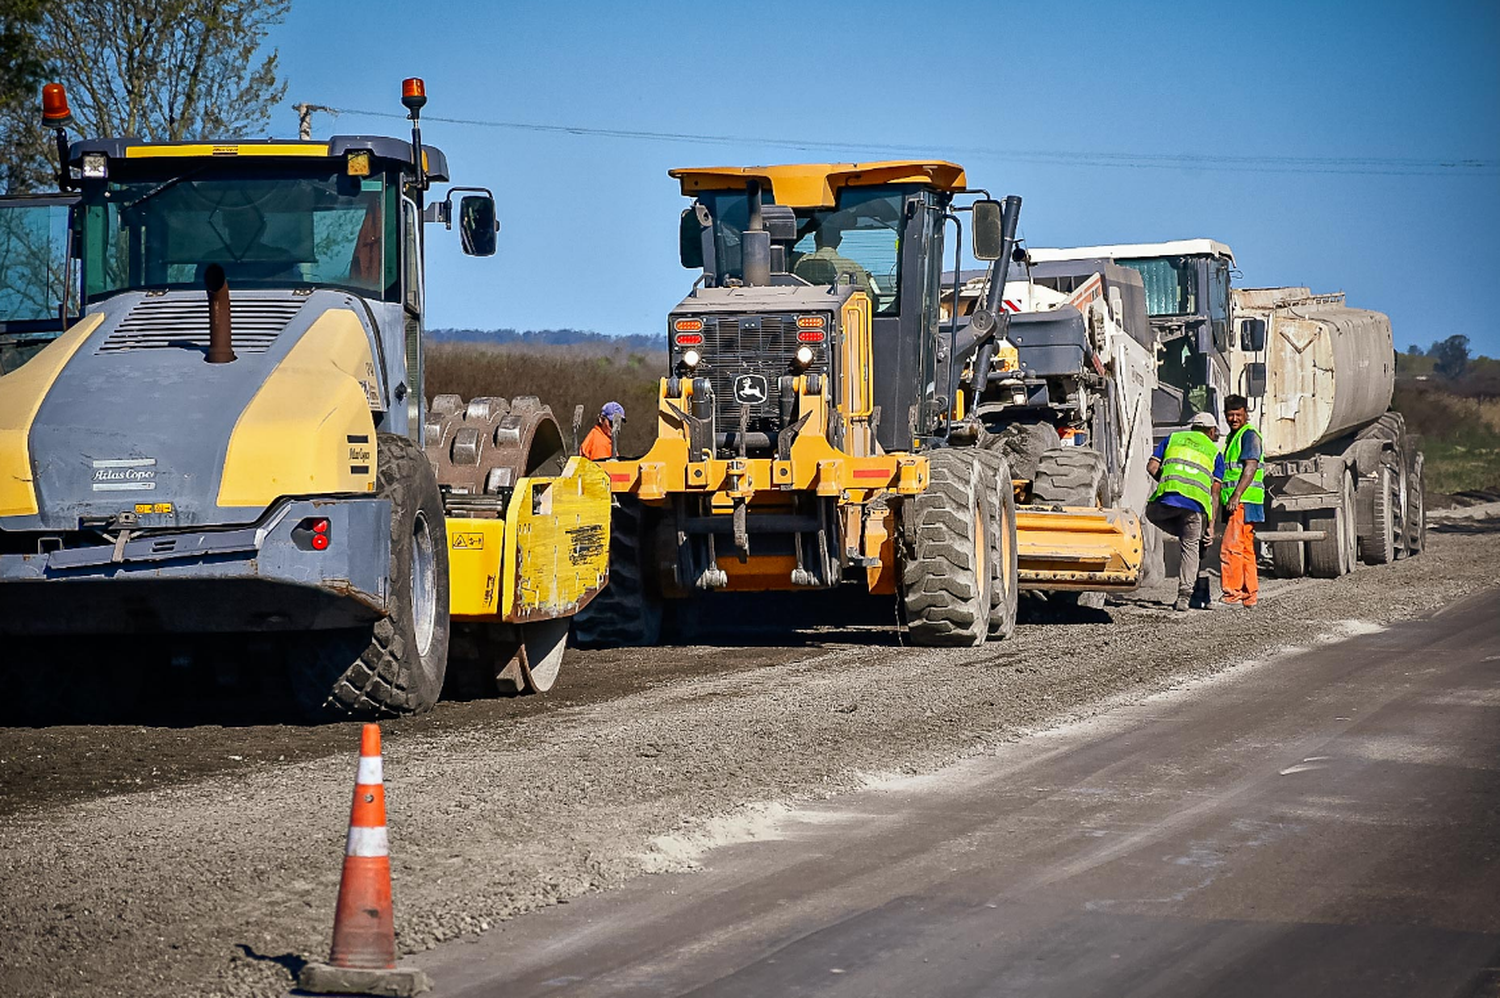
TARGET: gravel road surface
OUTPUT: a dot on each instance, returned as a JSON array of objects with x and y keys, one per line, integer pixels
[
  {"x": 1318, "y": 824},
  {"x": 151, "y": 860}
]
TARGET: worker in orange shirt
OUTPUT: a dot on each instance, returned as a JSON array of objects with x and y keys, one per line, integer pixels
[
  {"x": 599, "y": 445},
  {"x": 1244, "y": 504}
]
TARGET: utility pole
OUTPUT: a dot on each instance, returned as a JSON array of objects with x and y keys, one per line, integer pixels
[{"x": 304, "y": 118}]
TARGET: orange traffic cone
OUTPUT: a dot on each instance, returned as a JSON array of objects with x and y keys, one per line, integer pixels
[{"x": 363, "y": 961}]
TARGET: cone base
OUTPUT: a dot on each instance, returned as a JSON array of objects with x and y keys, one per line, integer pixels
[{"x": 326, "y": 979}]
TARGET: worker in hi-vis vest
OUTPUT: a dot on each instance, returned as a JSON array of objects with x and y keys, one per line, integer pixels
[
  {"x": 1244, "y": 504},
  {"x": 1189, "y": 469}
]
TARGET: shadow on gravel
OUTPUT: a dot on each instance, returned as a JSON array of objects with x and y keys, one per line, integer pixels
[
  {"x": 290, "y": 961},
  {"x": 1464, "y": 526},
  {"x": 811, "y": 619}
]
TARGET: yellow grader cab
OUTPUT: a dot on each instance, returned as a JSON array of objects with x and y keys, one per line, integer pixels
[
  {"x": 819, "y": 424},
  {"x": 232, "y": 447}
]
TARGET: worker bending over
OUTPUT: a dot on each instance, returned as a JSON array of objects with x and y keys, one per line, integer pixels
[
  {"x": 1190, "y": 471},
  {"x": 599, "y": 445},
  {"x": 1244, "y": 506}
]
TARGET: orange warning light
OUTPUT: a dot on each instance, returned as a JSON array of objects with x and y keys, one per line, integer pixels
[
  {"x": 413, "y": 93},
  {"x": 55, "y": 112}
]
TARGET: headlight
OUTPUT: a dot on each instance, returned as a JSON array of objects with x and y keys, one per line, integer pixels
[
  {"x": 95, "y": 165},
  {"x": 691, "y": 358},
  {"x": 804, "y": 356}
]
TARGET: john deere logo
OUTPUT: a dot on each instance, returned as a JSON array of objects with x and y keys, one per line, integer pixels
[{"x": 750, "y": 389}]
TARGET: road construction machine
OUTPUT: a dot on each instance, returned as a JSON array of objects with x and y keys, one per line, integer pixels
[
  {"x": 231, "y": 449},
  {"x": 1344, "y": 477},
  {"x": 822, "y": 424}
]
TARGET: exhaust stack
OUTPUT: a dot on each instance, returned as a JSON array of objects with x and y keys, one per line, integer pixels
[
  {"x": 220, "y": 340},
  {"x": 755, "y": 243}
]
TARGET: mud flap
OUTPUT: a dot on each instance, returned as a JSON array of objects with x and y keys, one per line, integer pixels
[{"x": 1078, "y": 549}]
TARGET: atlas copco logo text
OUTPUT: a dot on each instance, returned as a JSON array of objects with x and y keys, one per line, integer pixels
[{"x": 125, "y": 475}]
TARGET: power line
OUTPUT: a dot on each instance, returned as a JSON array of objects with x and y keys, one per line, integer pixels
[{"x": 1347, "y": 165}]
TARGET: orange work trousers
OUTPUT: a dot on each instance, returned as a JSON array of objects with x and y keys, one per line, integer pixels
[{"x": 1237, "y": 560}]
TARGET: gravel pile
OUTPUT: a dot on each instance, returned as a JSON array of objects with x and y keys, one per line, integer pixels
[{"x": 223, "y": 883}]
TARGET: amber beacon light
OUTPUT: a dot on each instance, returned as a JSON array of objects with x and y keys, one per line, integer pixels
[
  {"x": 413, "y": 93},
  {"x": 55, "y": 111}
]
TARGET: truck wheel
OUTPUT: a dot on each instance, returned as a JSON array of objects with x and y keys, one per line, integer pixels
[
  {"x": 1071, "y": 476},
  {"x": 1004, "y": 556},
  {"x": 1381, "y": 539},
  {"x": 1288, "y": 558},
  {"x": 627, "y": 612},
  {"x": 1022, "y": 444},
  {"x": 1334, "y": 555},
  {"x": 1416, "y": 506},
  {"x": 396, "y": 665},
  {"x": 945, "y": 570}
]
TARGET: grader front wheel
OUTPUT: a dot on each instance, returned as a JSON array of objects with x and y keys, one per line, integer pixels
[{"x": 947, "y": 560}]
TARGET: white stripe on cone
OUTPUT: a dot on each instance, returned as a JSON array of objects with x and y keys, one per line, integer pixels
[
  {"x": 370, "y": 770},
  {"x": 367, "y": 842}
]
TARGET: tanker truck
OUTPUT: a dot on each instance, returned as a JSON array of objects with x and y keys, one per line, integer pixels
[
  {"x": 1344, "y": 476},
  {"x": 1345, "y": 482}
]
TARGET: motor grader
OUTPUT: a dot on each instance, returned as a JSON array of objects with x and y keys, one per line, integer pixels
[
  {"x": 820, "y": 425},
  {"x": 231, "y": 450}
]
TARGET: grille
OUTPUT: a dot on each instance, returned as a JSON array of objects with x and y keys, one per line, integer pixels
[
  {"x": 751, "y": 345},
  {"x": 182, "y": 323}
]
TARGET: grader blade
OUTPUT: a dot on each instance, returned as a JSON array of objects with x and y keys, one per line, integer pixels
[{"x": 1079, "y": 549}]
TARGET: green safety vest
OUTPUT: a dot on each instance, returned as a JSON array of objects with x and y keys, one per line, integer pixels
[
  {"x": 1187, "y": 468},
  {"x": 1254, "y": 492}
]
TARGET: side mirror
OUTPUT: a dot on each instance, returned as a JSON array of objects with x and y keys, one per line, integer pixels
[
  {"x": 989, "y": 234},
  {"x": 1253, "y": 335},
  {"x": 476, "y": 224},
  {"x": 690, "y": 240},
  {"x": 1255, "y": 380}
]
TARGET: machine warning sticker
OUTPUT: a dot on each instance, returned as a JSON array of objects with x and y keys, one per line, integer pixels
[
  {"x": 153, "y": 508},
  {"x": 587, "y": 543},
  {"x": 468, "y": 541},
  {"x": 125, "y": 475}
]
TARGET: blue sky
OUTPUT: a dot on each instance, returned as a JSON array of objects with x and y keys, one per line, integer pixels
[{"x": 1032, "y": 98}]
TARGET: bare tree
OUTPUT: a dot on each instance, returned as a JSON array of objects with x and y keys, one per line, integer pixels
[{"x": 164, "y": 70}]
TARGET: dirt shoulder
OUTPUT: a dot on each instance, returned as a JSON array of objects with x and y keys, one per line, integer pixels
[{"x": 220, "y": 879}]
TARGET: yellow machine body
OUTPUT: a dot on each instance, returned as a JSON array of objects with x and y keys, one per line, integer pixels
[
  {"x": 1078, "y": 549},
  {"x": 545, "y": 559}
]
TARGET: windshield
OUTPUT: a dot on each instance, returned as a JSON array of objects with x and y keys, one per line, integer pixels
[
  {"x": 858, "y": 241},
  {"x": 33, "y": 260},
  {"x": 1171, "y": 284},
  {"x": 267, "y": 228}
]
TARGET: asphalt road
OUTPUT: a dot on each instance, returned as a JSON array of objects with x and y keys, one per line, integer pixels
[{"x": 1325, "y": 823}]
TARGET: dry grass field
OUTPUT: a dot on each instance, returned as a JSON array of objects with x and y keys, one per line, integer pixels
[{"x": 562, "y": 377}]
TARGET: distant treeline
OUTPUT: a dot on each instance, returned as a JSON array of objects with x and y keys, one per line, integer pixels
[{"x": 550, "y": 338}]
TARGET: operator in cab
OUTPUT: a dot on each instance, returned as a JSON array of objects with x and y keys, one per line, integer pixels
[
  {"x": 825, "y": 264},
  {"x": 1190, "y": 473},
  {"x": 1244, "y": 505},
  {"x": 599, "y": 445}
]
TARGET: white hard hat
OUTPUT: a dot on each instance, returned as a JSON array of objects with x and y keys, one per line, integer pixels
[{"x": 1205, "y": 420}]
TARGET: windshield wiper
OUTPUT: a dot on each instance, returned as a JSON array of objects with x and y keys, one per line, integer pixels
[{"x": 162, "y": 187}]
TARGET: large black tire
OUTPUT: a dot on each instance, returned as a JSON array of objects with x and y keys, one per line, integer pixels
[
  {"x": 1288, "y": 561},
  {"x": 946, "y": 560},
  {"x": 628, "y": 612},
  {"x": 1416, "y": 508},
  {"x": 1335, "y": 554},
  {"x": 1381, "y": 540},
  {"x": 1071, "y": 476},
  {"x": 1004, "y": 555},
  {"x": 396, "y": 665},
  {"x": 1022, "y": 445}
]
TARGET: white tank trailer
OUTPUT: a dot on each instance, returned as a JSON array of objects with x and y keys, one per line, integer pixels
[{"x": 1344, "y": 478}]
